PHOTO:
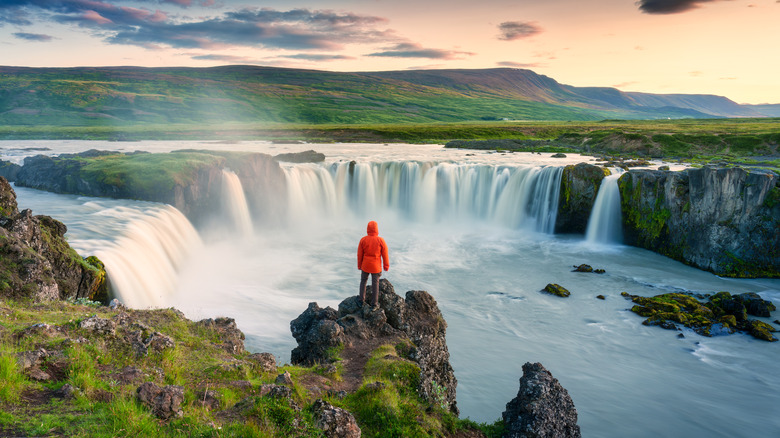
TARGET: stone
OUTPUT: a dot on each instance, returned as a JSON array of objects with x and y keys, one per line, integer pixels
[
  {"x": 556, "y": 289},
  {"x": 265, "y": 361},
  {"x": 284, "y": 379},
  {"x": 316, "y": 332},
  {"x": 601, "y": 297},
  {"x": 129, "y": 374},
  {"x": 583, "y": 268},
  {"x": 232, "y": 339},
  {"x": 542, "y": 408},
  {"x": 98, "y": 325},
  {"x": 558, "y": 155},
  {"x": 208, "y": 399},
  {"x": 157, "y": 342},
  {"x": 334, "y": 422},
  {"x": 762, "y": 330},
  {"x": 115, "y": 304},
  {"x": 165, "y": 402},
  {"x": 755, "y": 305},
  {"x": 67, "y": 391}
]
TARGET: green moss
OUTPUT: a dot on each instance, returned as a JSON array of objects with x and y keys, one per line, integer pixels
[{"x": 557, "y": 290}]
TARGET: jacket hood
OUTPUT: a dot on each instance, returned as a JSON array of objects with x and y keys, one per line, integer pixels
[{"x": 372, "y": 229}]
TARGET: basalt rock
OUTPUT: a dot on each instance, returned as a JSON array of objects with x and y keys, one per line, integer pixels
[
  {"x": 556, "y": 289},
  {"x": 334, "y": 422},
  {"x": 232, "y": 339},
  {"x": 9, "y": 170},
  {"x": 542, "y": 408},
  {"x": 319, "y": 332},
  {"x": 723, "y": 220},
  {"x": 309, "y": 156},
  {"x": 580, "y": 184},
  {"x": 165, "y": 402}
]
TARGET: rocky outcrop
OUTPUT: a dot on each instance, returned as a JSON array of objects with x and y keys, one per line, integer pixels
[
  {"x": 9, "y": 170},
  {"x": 309, "y": 156},
  {"x": 542, "y": 408},
  {"x": 190, "y": 180},
  {"x": 723, "y": 220},
  {"x": 334, "y": 422},
  {"x": 579, "y": 186},
  {"x": 165, "y": 402},
  {"x": 322, "y": 332},
  {"x": 36, "y": 261}
]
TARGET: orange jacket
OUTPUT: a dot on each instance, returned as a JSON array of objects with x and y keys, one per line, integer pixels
[{"x": 372, "y": 251}]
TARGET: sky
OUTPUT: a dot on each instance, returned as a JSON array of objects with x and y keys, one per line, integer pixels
[{"x": 724, "y": 47}]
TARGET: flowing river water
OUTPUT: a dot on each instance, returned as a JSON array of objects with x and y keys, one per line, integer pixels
[{"x": 473, "y": 229}]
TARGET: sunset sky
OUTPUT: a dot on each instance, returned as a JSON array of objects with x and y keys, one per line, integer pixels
[{"x": 724, "y": 47}]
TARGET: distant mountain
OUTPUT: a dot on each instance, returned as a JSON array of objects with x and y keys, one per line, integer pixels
[
  {"x": 104, "y": 96},
  {"x": 766, "y": 110}
]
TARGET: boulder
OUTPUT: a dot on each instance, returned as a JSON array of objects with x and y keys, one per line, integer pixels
[
  {"x": 755, "y": 305},
  {"x": 265, "y": 361},
  {"x": 309, "y": 156},
  {"x": 335, "y": 422},
  {"x": 208, "y": 399},
  {"x": 165, "y": 402},
  {"x": 232, "y": 339},
  {"x": 556, "y": 289},
  {"x": 542, "y": 408},
  {"x": 98, "y": 325}
]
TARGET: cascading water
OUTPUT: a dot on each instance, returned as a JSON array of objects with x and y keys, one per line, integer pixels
[
  {"x": 142, "y": 265},
  {"x": 234, "y": 202},
  {"x": 605, "y": 222},
  {"x": 425, "y": 192}
]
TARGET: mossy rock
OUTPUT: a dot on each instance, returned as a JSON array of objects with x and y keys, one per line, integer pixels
[
  {"x": 556, "y": 289},
  {"x": 762, "y": 330}
]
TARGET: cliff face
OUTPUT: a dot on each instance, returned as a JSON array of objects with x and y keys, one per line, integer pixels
[
  {"x": 579, "y": 187},
  {"x": 36, "y": 261},
  {"x": 724, "y": 220}
]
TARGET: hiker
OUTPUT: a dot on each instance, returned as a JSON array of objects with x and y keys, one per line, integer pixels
[{"x": 371, "y": 258}]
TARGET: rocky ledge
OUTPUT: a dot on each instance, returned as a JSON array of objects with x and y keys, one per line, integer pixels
[{"x": 414, "y": 325}]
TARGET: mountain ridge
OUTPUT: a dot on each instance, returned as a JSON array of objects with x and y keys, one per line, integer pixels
[{"x": 137, "y": 95}]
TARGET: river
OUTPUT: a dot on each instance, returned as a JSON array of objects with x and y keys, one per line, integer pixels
[{"x": 471, "y": 228}]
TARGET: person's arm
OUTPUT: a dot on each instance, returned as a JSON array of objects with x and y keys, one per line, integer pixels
[
  {"x": 385, "y": 256},
  {"x": 360, "y": 254}
]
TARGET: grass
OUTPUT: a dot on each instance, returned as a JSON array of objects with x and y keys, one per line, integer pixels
[{"x": 105, "y": 406}]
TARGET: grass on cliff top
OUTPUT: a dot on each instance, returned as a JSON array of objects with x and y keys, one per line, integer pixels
[{"x": 104, "y": 405}]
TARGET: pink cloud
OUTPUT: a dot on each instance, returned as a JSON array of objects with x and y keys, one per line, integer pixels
[{"x": 95, "y": 17}]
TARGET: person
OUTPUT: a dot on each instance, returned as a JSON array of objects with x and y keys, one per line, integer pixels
[{"x": 372, "y": 257}]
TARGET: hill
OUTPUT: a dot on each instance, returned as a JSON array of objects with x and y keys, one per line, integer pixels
[{"x": 126, "y": 96}]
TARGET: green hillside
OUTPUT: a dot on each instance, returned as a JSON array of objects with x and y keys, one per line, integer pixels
[{"x": 132, "y": 96}]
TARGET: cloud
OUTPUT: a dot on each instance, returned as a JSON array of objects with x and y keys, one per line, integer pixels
[
  {"x": 414, "y": 50},
  {"x": 515, "y": 30},
  {"x": 625, "y": 84},
  {"x": 33, "y": 36},
  {"x": 225, "y": 58},
  {"x": 669, "y": 6},
  {"x": 517, "y": 64},
  {"x": 297, "y": 29},
  {"x": 318, "y": 57}
]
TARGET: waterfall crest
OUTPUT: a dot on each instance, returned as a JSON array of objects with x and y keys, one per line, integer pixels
[
  {"x": 605, "y": 222},
  {"x": 142, "y": 265},
  {"x": 234, "y": 202},
  {"x": 517, "y": 197}
]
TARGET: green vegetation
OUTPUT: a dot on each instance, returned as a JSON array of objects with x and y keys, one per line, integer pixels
[{"x": 103, "y": 399}]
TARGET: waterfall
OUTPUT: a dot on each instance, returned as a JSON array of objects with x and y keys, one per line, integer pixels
[
  {"x": 234, "y": 202},
  {"x": 517, "y": 197},
  {"x": 605, "y": 222},
  {"x": 142, "y": 264}
]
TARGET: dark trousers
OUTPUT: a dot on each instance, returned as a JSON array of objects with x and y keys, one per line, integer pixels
[{"x": 374, "y": 287}]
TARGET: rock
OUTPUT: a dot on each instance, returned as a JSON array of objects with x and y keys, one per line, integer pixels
[
  {"x": 165, "y": 402},
  {"x": 98, "y": 325},
  {"x": 8, "y": 207},
  {"x": 723, "y": 220},
  {"x": 556, "y": 289},
  {"x": 579, "y": 186},
  {"x": 417, "y": 318},
  {"x": 232, "y": 338},
  {"x": 284, "y": 379},
  {"x": 762, "y": 330},
  {"x": 266, "y": 361},
  {"x": 309, "y": 156},
  {"x": 9, "y": 171},
  {"x": 67, "y": 391},
  {"x": 599, "y": 271},
  {"x": 208, "y": 399},
  {"x": 755, "y": 305},
  {"x": 334, "y": 422},
  {"x": 558, "y": 155},
  {"x": 280, "y": 391},
  {"x": 663, "y": 168},
  {"x": 158, "y": 342},
  {"x": 155, "y": 341},
  {"x": 115, "y": 304},
  {"x": 583, "y": 268},
  {"x": 601, "y": 297},
  {"x": 129, "y": 374},
  {"x": 542, "y": 408},
  {"x": 30, "y": 359}
]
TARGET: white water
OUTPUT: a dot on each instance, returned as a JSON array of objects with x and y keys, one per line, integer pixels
[
  {"x": 234, "y": 203},
  {"x": 604, "y": 224},
  {"x": 485, "y": 268}
]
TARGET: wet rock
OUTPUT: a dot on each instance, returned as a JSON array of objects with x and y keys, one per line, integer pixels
[
  {"x": 99, "y": 325},
  {"x": 599, "y": 271},
  {"x": 335, "y": 422},
  {"x": 762, "y": 330},
  {"x": 232, "y": 338},
  {"x": 601, "y": 297},
  {"x": 755, "y": 305},
  {"x": 556, "y": 289},
  {"x": 579, "y": 186},
  {"x": 165, "y": 402},
  {"x": 309, "y": 156},
  {"x": 266, "y": 361},
  {"x": 583, "y": 268},
  {"x": 542, "y": 408},
  {"x": 558, "y": 155}
]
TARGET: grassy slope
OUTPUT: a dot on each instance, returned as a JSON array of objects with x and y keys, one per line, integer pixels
[{"x": 104, "y": 406}]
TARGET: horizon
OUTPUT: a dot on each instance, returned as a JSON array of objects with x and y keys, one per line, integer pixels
[{"x": 710, "y": 47}]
